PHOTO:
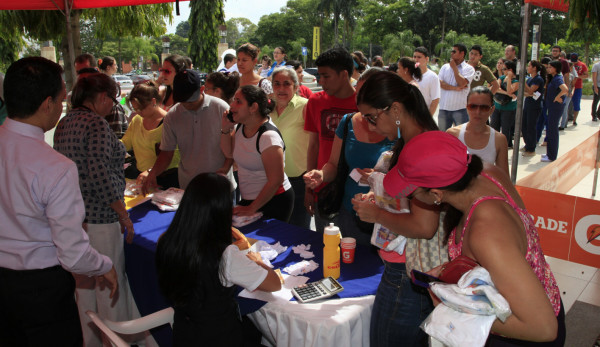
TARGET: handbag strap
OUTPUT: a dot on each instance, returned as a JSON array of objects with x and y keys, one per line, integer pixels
[{"x": 342, "y": 160}]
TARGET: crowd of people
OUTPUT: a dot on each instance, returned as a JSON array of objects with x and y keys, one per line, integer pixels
[{"x": 249, "y": 141}]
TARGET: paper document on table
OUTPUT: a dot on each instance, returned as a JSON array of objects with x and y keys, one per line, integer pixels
[{"x": 284, "y": 294}]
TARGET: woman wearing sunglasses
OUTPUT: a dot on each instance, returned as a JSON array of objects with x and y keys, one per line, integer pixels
[
  {"x": 397, "y": 110},
  {"x": 170, "y": 67},
  {"x": 363, "y": 146},
  {"x": 491, "y": 146}
]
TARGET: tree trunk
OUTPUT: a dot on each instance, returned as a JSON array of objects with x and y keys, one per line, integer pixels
[
  {"x": 444, "y": 24},
  {"x": 64, "y": 48},
  {"x": 120, "y": 66}
]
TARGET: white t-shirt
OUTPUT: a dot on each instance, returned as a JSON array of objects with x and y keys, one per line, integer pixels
[
  {"x": 596, "y": 69},
  {"x": 429, "y": 85},
  {"x": 241, "y": 270},
  {"x": 251, "y": 171}
]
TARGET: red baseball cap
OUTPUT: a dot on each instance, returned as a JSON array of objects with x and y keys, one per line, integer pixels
[{"x": 432, "y": 159}]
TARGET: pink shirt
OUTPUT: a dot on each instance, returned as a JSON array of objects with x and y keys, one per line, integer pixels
[
  {"x": 41, "y": 209},
  {"x": 534, "y": 256}
]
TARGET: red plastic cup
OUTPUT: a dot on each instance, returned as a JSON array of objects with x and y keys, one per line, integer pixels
[{"x": 348, "y": 245}]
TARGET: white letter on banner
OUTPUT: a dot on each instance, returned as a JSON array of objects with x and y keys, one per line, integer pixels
[
  {"x": 552, "y": 224},
  {"x": 562, "y": 227},
  {"x": 540, "y": 223}
]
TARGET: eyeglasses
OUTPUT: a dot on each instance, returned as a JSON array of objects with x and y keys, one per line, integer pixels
[
  {"x": 114, "y": 100},
  {"x": 482, "y": 108},
  {"x": 373, "y": 118},
  {"x": 165, "y": 71}
]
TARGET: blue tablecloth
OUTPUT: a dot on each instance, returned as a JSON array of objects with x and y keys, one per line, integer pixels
[{"x": 359, "y": 278}]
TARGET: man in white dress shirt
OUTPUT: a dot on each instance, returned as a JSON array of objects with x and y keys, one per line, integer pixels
[
  {"x": 41, "y": 236},
  {"x": 455, "y": 80}
]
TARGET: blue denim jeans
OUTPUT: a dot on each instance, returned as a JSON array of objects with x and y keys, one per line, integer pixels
[
  {"x": 448, "y": 118},
  {"x": 399, "y": 309},
  {"x": 564, "y": 119}
]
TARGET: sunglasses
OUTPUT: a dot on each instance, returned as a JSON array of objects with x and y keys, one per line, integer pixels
[
  {"x": 373, "y": 118},
  {"x": 482, "y": 108},
  {"x": 453, "y": 51},
  {"x": 165, "y": 71}
]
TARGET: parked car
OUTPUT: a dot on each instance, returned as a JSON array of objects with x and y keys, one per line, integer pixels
[
  {"x": 308, "y": 78},
  {"x": 124, "y": 82},
  {"x": 137, "y": 79},
  {"x": 313, "y": 71}
]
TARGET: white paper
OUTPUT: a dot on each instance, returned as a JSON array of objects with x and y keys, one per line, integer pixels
[
  {"x": 284, "y": 294},
  {"x": 356, "y": 176}
]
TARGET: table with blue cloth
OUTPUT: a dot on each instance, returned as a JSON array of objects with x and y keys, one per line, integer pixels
[{"x": 340, "y": 320}]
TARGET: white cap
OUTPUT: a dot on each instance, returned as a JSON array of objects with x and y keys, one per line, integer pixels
[{"x": 331, "y": 229}]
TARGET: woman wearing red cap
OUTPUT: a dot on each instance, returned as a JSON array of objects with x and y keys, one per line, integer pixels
[
  {"x": 485, "y": 220},
  {"x": 397, "y": 110}
]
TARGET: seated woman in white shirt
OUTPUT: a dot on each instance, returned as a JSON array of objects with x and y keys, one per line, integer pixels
[
  {"x": 197, "y": 266},
  {"x": 481, "y": 139}
]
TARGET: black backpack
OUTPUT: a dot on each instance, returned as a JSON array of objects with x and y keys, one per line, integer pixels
[{"x": 264, "y": 127}]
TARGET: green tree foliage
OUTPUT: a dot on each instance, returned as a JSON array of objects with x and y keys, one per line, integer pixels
[
  {"x": 239, "y": 30},
  {"x": 336, "y": 10},
  {"x": 178, "y": 45},
  {"x": 90, "y": 42},
  {"x": 298, "y": 18},
  {"x": 399, "y": 45},
  {"x": 205, "y": 18},
  {"x": 183, "y": 29},
  {"x": 584, "y": 26},
  {"x": 118, "y": 21}
]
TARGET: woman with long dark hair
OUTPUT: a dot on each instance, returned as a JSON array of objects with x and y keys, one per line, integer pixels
[
  {"x": 397, "y": 110},
  {"x": 258, "y": 151},
  {"x": 409, "y": 70},
  {"x": 485, "y": 220},
  {"x": 170, "y": 67},
  {"x": 505, "y": 102},
  {"x": 222, "y": 85},
  {"x": 197, "y": 266},
  {"x": 555, "y": 93},
  {"x": 534, "y": 89},
  {"x": 362, "y": 148}
]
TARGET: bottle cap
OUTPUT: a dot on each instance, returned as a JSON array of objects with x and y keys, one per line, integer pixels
[{"x": 331, "y": 229}]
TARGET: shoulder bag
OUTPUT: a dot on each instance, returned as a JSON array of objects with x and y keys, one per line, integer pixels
[{"x": 330, "y": 197}]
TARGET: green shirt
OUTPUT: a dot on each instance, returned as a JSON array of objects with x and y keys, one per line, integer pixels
[
  {"x": 482, "y": 75},
  {"x": 291, "y": 125}
]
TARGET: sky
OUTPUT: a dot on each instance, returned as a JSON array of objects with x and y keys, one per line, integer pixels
[{"x": 252, "y": 10}]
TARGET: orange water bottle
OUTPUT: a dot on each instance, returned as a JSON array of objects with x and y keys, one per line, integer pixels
[{"x": 331, "y": 251}]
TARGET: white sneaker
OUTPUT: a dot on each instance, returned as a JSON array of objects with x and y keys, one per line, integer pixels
[{"x": 545, "y": 158}]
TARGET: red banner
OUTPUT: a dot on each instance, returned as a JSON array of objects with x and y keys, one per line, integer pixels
[
  {"x": 569, "y": 226},
  {"x": 559, "y": 5}
]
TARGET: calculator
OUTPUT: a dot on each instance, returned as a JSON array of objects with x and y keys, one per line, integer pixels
[{"x": 317, "y": 290}]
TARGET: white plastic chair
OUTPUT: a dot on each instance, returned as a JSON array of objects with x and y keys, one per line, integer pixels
[{"x": 135, "y": 326}]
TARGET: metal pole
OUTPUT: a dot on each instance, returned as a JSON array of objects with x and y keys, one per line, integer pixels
[
  {"x": 517, "y": 140},
  {"x": 596, "y": 167}
]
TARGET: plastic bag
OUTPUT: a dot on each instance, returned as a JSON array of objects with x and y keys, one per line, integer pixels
[
  {"x": 468, "y": 311},
  {"x": 456, "y": 329},
  {"x": 382, "y": 237}
]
